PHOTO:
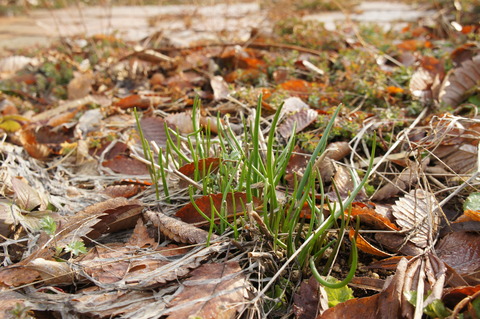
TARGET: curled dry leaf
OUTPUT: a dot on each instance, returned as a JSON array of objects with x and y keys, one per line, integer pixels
[
  {"x": 178, "y": 230},
  {"x": 325, "y": 163},
  {"x": 459, "y": 81},
  {"x": 369, "y": 216},
  {"x": 141, "y": 101},
  {"x": 182, "y": 122},
  {"x": 418, "y": 213},
  {"x": 99, "y": 219}
]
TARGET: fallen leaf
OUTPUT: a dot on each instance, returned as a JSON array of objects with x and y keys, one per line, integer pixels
[
  {"x": 178, "y": 230},
  {"x": 461, "y": 251},
  {"x": 234, "y": 204},
  {"x": 366, "y": 247},
  {"x": 212, "y": 291},
  {"x": 306, "y": 300},
  {"x": 418, "y": 213},
  {"x": 220, "y": 88},
  {"x": 459, "y": 81},
  {"x": 122, "y": 164}
]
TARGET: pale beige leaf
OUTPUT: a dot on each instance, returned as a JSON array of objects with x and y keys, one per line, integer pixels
[
  {"x": 300, "y": 120},
  {"x": 80, "y": 86},
  {"x": 220, "y": 88},
  {"x": 27, "y": 197},
  {"x": 181, "y": 122},
  {"x": 418, "y": 213},
  {"x": 53, "y": 272}
]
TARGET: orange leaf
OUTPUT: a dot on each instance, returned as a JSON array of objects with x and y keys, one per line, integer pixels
[
  {"x": 394, "y": 90},
  {"x": 235, "y": 204},
  {"x": 409, "y": 45},
  {"x": 369, "y": 216},
  {"x": 296, "y": 85},
  {"x": 366, "y": 247},
  {"x": 134, "y": 100}
]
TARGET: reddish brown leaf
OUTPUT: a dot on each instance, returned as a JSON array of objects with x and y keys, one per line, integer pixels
[
  {"x": 384, "y": 305},
  {"x": 454, "y": 295},
  {"x": 178, "y": 230},
  {"x": 206, "y": 165},
  {"x": 306, "y": 299},
  {"x": 469, "y": 215},
  {"x": 122, "y": 164},
  {"x": 140, "y": 237},
  {"x": 396, "y": 243},
  {"x": 126, "y": 191},
  {"x": 235, "y": 204},
  {"x": 296, "y": 166},
  {"x": 461, "y": 251},
  {"x": 212, "y": 291}
]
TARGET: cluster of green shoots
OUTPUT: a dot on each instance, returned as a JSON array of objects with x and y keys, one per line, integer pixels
[{"x": 256, "y": 165}]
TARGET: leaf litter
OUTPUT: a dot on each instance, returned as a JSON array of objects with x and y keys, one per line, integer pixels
[{"x": 85, "y": 232}]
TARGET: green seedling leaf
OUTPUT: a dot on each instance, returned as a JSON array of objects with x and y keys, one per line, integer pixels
[
  {"x": 48, "y": 225},
  {"x": 76, "y": 248},
  {"x": 472, "y": 202},
  {"x": 337, "y": 295}
]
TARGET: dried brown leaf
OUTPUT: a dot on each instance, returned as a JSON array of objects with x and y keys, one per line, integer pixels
[
  {"x": 459, "y": 81},
  {"x": 306, "y": 300},
  {"x": 182, "y": 122},
  {"x": 97, "y": 219},
  {"x": 80, "y": 86},
  {"x": 461, "y": 251},
  {"x": 178, "y": 230},
  {"x": 212, "y": 291},
  {"x": 384, "y": 305},
  {"x": 154, "y": 130},
  {"x": 406, "y": 179}
]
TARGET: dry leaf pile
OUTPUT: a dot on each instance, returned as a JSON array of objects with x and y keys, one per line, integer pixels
[{"x": 83, "y": 234}]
